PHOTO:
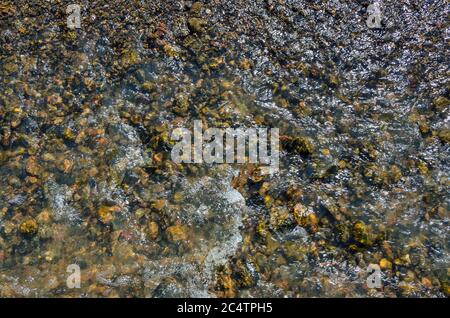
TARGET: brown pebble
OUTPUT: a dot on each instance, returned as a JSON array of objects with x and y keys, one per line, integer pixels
[
  {"x": 153, "y": 230},
  {"x": 176, "y": 233}
]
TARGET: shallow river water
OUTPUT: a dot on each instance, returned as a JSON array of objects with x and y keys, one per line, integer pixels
[{"x": 86, "y": 176}]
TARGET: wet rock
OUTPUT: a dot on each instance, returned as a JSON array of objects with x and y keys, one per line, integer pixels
[
  {"x": 10, "y": 68},
  {"x": 196, "y": 7},
  {"x": 181, "y": 104},
  {"x": 153, "y": 230},
  {"x": 44, "y": 217},
  {"x": 32, "y": 167},
  {"x": 225, "y": 285},
  {"x": 423, "y": 168},
  {"x": 105, "y": 213},
  {"x": 245, "y": 64},
  {"x": 69, "y": 134},
  {"x": 426, "y": 282},
  {"x": 385, "y": 264},
  {"x": 130, "y": 57},
  {"x": 169, "y": 50},
  {"x": 302, "y": 110},
  {"x": 395, "y": 174},
  {"x": 246, "y": 276},
  {"x": 169, "y": 288},
  {"x": 343, "y": 233},
  {"x": 305, "y": 217},
  {"x": 446, "y": 289},
  {"x": 404, "y": 260},
  {"x": 149, "y": 87},
  {"x": 54, "y": 99},
  {"x": 261, "y": 228},
  {"x": 441, "y": 103},
  {"x": 279, "y": 216},
  {"x": 362, "y": 234},
  {"x": 284, "y": 64},
  {"x": 159, "y": 205},
  {"x": 444, "y": 135},
  {"x": 7, "y": 9},
  {"x": 294, "y": 193},
  {"x": 197, "y": 24},
  {"x": 177, "y": 233},
  {"x": 28, "y": 227},
  {"x": 301, "y": 145}
]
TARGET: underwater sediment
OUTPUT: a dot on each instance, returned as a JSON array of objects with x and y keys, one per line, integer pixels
[{"x": 86, "y": 177}]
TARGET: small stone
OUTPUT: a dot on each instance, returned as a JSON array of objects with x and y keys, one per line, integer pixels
[
  {"x": 264, "y": 188},
  {"x": 196, "y": 24},
  {"x": 32, "y": 167},
  {"x": 268, "y": 200},
  {"x": 282, "y": 102},
  {"x": 406, "y": 288},
  {"x": 10, "y": 68},
  {"x": 48, "y": 157},
  {"x": 159, "y": 205},
  {"x": 302, "y": 110},
  {"x": 43, "y": 217},
  {"x": 181, "y": 104},
  {"x": 153, "y": 230},
  {"x": 294, "y": 192},
  {"x": 49, "y": 256},
  {"x": 333, "y": 80},
  {"x": 67, "y": 165},
  {"x": 245, "y": 64},
  {"x": 178, "y": 197},
  {"x": 343, "y": 233},
  {"x": 32, "y": 180},
  {"x": 148, "y": 87},
  {"x": 341, "y": 164},
  {"x": 105, "y": 213},
  {"x": 140, "y": 213},
  {"x": 28, "y": 227},
  {"x": 299, "y": 213},
  {"x": 216, "y": 62},
  {"x": 176, "y": 233},
  {"x": 196, "y": 7},
  {"x": 301, "y": 145},
  {"x": 426, "y": 282},
  {"x": 385, "y": 264},
  {"x": 169, "y": 50},
  {"x": 8, "y": 227},
  {"x": 395, "y": 173},
  {"x": 227, "y": 85},
  {"x": 441, "y": 103},
  {"x": 423, "y": 168},
  {"x": 257, "y": 175},
  {"x": 444, "y": 135},
  {"x": 93, "y": 172},
  {"x": 54, "y": 99},
  {"x": 361, "y": 233},
  {"x": 279, "y": 216},
  {"x": 130, "y": 57},
  {"x": 325, "y": 152},
  {"x": 261, "y": 228},
  {"x": 305, "y": 217},
  {"x": 69, "y": 134}
]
